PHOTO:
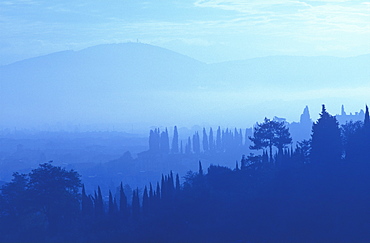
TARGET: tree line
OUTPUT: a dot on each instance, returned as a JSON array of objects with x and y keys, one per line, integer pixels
[
  {"x": 223, "y": 140},
  {"x": 315, "y": 192}
]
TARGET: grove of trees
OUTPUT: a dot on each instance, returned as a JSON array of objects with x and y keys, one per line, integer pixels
[{"x": 315, "y": 192}]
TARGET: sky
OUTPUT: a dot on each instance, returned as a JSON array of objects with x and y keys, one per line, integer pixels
[{"x": 209, "y": 30}]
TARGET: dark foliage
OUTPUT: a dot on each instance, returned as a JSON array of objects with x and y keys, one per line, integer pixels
[{"x": 309, "y": 196}]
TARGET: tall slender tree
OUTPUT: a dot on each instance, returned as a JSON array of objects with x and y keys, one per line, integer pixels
[
  {"x": 205, "y": 140},
  {"x": 175, "y": 141}
]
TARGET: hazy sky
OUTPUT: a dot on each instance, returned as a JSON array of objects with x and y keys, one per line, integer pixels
[{"x": 209, "y": 30}]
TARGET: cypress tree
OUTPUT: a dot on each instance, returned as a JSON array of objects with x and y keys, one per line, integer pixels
[
  {"x": 178, "y": 186},
  {"x": 188, "y": 147},
  {"x": 123, "y": 202},
  {"x": 135, "y": 204},
  {"x": 158, "y": 190},
  {"x": 205, "y": 140},
  {"x": 87, "y": 207},
  {"x": 111, "y": 210},
  {"x": 218, "y": 140},
  {"x": 99, "y": 204},
  {"x": 164, "y": 145},
  {"x": 200, "y": 169},
  {"x": 175, "y": 141},
  {"x": 367, "y": 119},
  {"x": 211, "y": 143},
  {"x": 196, "y": 143},
  {"x": 146, "y": 203}
]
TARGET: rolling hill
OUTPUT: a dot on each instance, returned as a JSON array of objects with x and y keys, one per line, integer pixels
[{"x": 134, "y": 82}]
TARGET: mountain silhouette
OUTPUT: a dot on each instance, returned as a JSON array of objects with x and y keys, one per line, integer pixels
[{"x": 132, "y": 81}]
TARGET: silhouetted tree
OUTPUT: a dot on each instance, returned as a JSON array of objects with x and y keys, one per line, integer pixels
[
  {"x": 55, "y": 193},
  {"x": 211, "y": 143},
  {"x": 326, "y": 143},
  {"x": 87, "y": 206},
  {"x": 154, "y": 140},
  {"x": 164, "y": 145},
  {"x": 205, "y": 140},
  {"x": 111, "y": 205},
  {"x": 270, "y": 133},
  {"x": 146, "y": 202},
  {"x": 356, "y": 139},
  {"x": 196, "y": 143},
  {"x": 178, "y": 186},
  {"x": 218, "y": 140},
  {"x": 99, "y": 204},
  {"x": 135, "y": 204},
  {"x": 200, "y": 171},
  {"x": 175, "y": 141},
  {"x": 188, "y": 146},
  {"x": 123, "y": 202},
  {"x": 302, "y": 151}
]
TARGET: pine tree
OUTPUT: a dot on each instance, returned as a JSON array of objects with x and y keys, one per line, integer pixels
[{"x": 270, "y": 134}]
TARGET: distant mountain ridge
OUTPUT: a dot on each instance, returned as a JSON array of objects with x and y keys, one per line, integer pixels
[
  {"x": 135, "y": 81},
  {"x": 137, "y": 65}
]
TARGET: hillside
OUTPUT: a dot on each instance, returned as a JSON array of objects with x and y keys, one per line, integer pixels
[{"x": 136, "y": 83}]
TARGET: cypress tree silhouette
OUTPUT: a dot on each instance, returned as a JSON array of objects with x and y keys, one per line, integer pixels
[
  {"x": 178, "y": 186},
  {"x": 243, "y": 162},
  {"x": 158, "y": 191},
  {"x": 146, "y": 203},
  {"x": 211, "y": 143},
  {"x": 111, "y": 206},
  {"x": 135, "y": 204},
  {"x": 205, "y": 140},
  {"x": 367, "y": 119},
  {"x": 154, "y": 140},
  {"x": 188, "y": 146},
  {"x": 236, "y": 166},
  {"x": 99, "y": 204},
  {"x": 123, "y": 209},
  {"x": 356, "y": 139},
  {"x": 163, "y": 193},
  {"x": 200, "y": 172},
  {"x": 218, "y": 140},
  {"x": 164, "y": 145},
  {"x": 87, "y": 207},
  {"x": 326, "y": 145},
  {"x": 175, "y": 141},
  {"x": 196, "y": 143}
]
